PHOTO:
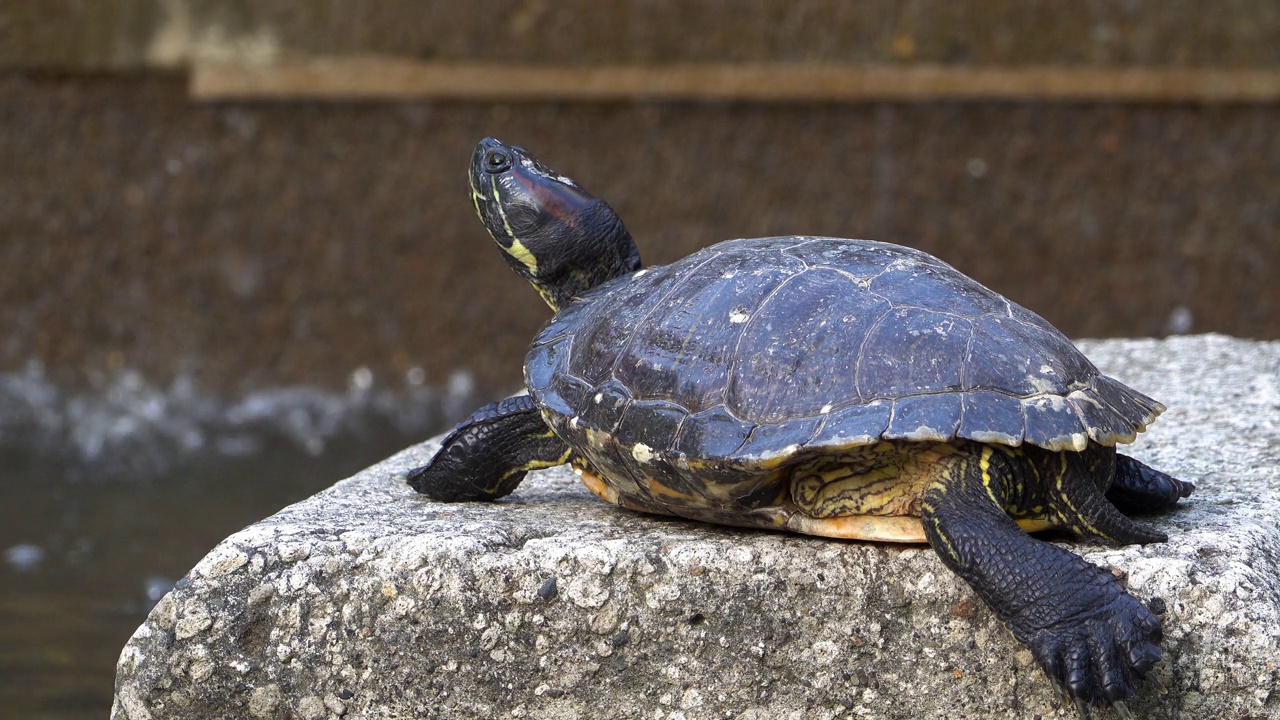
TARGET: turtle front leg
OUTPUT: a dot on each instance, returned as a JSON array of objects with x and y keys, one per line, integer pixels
[
  {"x": 487, "y": 455},
  {"x": 1093, "y": 639}
]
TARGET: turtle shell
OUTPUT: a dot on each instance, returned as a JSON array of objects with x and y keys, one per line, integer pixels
[{"x": 751, "y": 353}]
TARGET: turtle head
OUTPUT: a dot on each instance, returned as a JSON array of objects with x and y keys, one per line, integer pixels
[{"x": 556, "y": 235}]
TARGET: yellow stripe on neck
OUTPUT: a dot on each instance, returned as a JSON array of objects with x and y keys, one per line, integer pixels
[
  {"x": 517, "y": 249},
  {"x": 521, "y": 253}
]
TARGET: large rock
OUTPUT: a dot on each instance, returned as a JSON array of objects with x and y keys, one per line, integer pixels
[{"x": 369, "y": 600}]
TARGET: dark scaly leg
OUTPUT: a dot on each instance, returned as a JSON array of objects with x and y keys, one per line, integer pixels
[
  {"x": 487, "y": 455},
  {"x": 1093, "y": 639},
  {"x": 1070, "y": 483},
  {"x": 1139, "y": 489}
]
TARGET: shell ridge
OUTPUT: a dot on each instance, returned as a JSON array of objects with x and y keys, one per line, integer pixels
[
  {"x": 854, "y": 279},
  {"x": 804, "y": 240}
]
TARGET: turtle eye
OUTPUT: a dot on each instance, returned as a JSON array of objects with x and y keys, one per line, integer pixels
[{"x": 496, "y": 161}]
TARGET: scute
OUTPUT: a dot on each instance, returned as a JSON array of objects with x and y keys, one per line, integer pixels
[
  {"x": 568, "y": 396},
  {"x": 854, "y": 425},
  {"x": 714, "y": 433},
  {"x": 1128, "y": 403},
  {"x": 991, "y": 417},
  {"x": 861, "y": 259},
  {"x": 912, "y": 284},
  {"x": 548, "y": 360},
  {"x": 799, "y": 349},
  {"x": 924, "y": 418},
  {"x": 1104, "y": 423},
  {"x": 928, "y": 354},
  {"x": 767, "y": 443},
  {"x": 649, "y": 420},
  {"x": 1015, "y": 357},
  {"x": 687, "y": 354},
  {"x": 604, "y": 321},
  {"x": 761, "y": 350},
  {"x": 604, "y": 407},
  {"x": 1052, "y": 423}
]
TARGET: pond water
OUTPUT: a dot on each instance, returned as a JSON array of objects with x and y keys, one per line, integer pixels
[{"x": 107, "y": 499}]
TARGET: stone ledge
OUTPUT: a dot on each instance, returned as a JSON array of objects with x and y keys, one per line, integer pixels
[{"x": 368, "y": 600}]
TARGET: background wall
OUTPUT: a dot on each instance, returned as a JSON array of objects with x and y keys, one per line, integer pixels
[{"x": 253, "y": 243}]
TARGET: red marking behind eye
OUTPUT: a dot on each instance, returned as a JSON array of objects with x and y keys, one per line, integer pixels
[{"x": 560, "y": 201}]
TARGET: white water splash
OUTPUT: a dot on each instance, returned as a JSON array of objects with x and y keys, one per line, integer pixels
[{"x": 133, "y": 423}]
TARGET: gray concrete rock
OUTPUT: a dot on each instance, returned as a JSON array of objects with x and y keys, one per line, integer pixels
[{"x": 369, "y": 600}]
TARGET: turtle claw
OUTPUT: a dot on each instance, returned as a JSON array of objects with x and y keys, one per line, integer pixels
[
  {"x": 1099, "y": 661},
  {"x": 1155, "y": 683},
  {"x": 1122, "y": 710}
]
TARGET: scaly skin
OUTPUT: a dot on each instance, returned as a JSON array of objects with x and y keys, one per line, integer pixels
[
  {"x": 1138, "y": 489},
  {"x": 1094, "y": 640},
  {"x": 487, "y": 455}
]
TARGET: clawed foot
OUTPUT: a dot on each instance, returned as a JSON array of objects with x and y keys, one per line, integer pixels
[
  {"x": 1100, "y": 658},
  {"x": 1138, "y": 489}
]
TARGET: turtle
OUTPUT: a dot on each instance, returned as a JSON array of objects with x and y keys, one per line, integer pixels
[{"x": 833, "y": 387}]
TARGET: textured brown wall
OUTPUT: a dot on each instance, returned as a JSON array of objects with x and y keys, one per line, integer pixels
[
  {"x": 254, "y": 245},
  {"x": 128, "y": 34}
]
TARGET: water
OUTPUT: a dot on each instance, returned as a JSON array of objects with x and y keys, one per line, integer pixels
[{"x": 107, "y": 498}]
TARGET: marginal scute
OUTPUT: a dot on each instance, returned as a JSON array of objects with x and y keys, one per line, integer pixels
[
  {"x": 854, "y": 425},
  {"x": 924, "y": 418},
  {"x": 546, "y": 362},
  {"x": 1053, "y": 424},
  {"x": 651, "y": 421},
  {"x": 605, "y": 406},
  {"x": 1131, "y": 404},
  {"x": 991, "y": 417},
  {"x": 1105, "y": 424},
  {"x": 568, "y": 395},
  {"x": 778, "y": 440},
  {"x": 714, "y": 433}
]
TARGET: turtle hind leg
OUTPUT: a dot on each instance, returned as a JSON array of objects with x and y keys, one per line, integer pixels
[
  {"x": 487, "y": 455},
  {"x": 1139, "y": 489},
  {"x": 1071, "y": 483},
  {"x": 1093, "y": 639}
]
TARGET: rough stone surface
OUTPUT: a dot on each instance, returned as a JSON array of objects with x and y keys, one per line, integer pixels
[{"x": 368, "y": 600}]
